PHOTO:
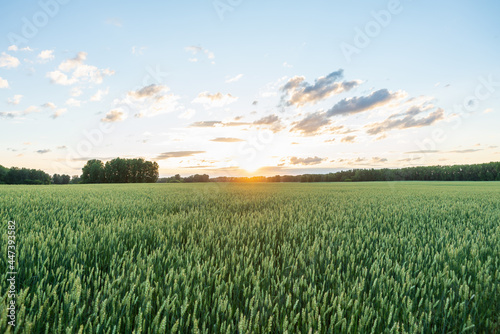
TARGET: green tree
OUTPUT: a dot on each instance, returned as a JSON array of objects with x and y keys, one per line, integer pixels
[
  {"x": 151, "y": 169},
  {"x": 93, "y": 172},
  {"x": 65, "y": 179},
  {"x": 56, "y": 179},
  {"x": 26, "y": 176},
  {"x": 75, "y": 179},
  {"x": 3, "y": 174}
]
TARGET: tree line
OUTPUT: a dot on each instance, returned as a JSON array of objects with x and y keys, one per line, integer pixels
[
  {"x": 95, "y": 171},
  {"x": 178, "y": 179},
  {"x": 477, "y": 172},
  {"x": 17, "y": 175},
  {"x": 120, "y": 170},
  {"x": 140, "y": 171}
]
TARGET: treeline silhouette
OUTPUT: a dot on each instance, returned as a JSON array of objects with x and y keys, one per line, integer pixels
[
  {"x": 478, "y": 172},
  {"x": 140, "y": 171},
  {"x": 17, "y": 175},
  {"x": 178, "y": 179},
  {"x": 120, "y": 170}
]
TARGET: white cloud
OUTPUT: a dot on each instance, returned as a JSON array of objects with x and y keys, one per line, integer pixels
[
  {"x": 15, "y": 100},
  {"x": 74, "y": 70},
  {"x": 198, "y": 49},
  {"x": 99, "y": 94},
  {"x": 59, "y": 112},
  {"x": 73, "y": 102},
  {"x": 193, "y": 49},
  {"x": 31, "y": 109},
  {"x": 209, "y": 54},
  {"x": 50, "y": 105},
  {"x": 45, "y": 56},
  {"x": 9, "y": 114},
  {"x": 148, "y": 101},
  {"x": 285, "y": 64},
  {"x": 76, "y": 91},
  {"x": 234, "y": 79},
  {"x": 151, "y": 91},
  {"x": 272, "y": 88},
  {"x": 138, "y": 50},
  {"x": 114, "y": 116},
  {"x": 60, "y": 78},
  {"x": 214, "y": 100},
  {"x": 19, "y": 114},
  {"x": 348, "y": 139},
  {"x": 73, "y": 63},
  {"x": 306, "y": 161},
  {"x": 358, "y": 104},
  {"x": 16, "y": 48},
  {"x": 298, "y": 92},
  {"x": 486, "y": 111},
  {"x": 8, "y": 61},
  {"x": 4, "y": 83},
  {"x": 408, "y": 119},
  {"x": 188, "y": 114}
]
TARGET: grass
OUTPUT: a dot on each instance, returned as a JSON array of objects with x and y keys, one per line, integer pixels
[{"x": 412, "y": 257}]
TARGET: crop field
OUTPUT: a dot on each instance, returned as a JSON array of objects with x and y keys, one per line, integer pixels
[{"x": 414, "y": 257}]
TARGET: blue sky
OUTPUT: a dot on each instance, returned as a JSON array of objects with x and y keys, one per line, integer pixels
[{"x": 233, "y": 87}]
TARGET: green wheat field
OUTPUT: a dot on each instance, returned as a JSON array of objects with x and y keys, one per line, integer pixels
[{"x": 414, "y": 257}]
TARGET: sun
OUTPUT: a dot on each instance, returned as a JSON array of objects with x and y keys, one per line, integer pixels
[{"x": 251, "y": 166}]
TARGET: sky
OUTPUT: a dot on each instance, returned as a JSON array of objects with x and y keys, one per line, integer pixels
[{"x": 239, "y": 87}]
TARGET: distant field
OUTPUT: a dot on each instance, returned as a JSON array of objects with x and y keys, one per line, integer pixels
[{"x": 417, "y": 257}]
